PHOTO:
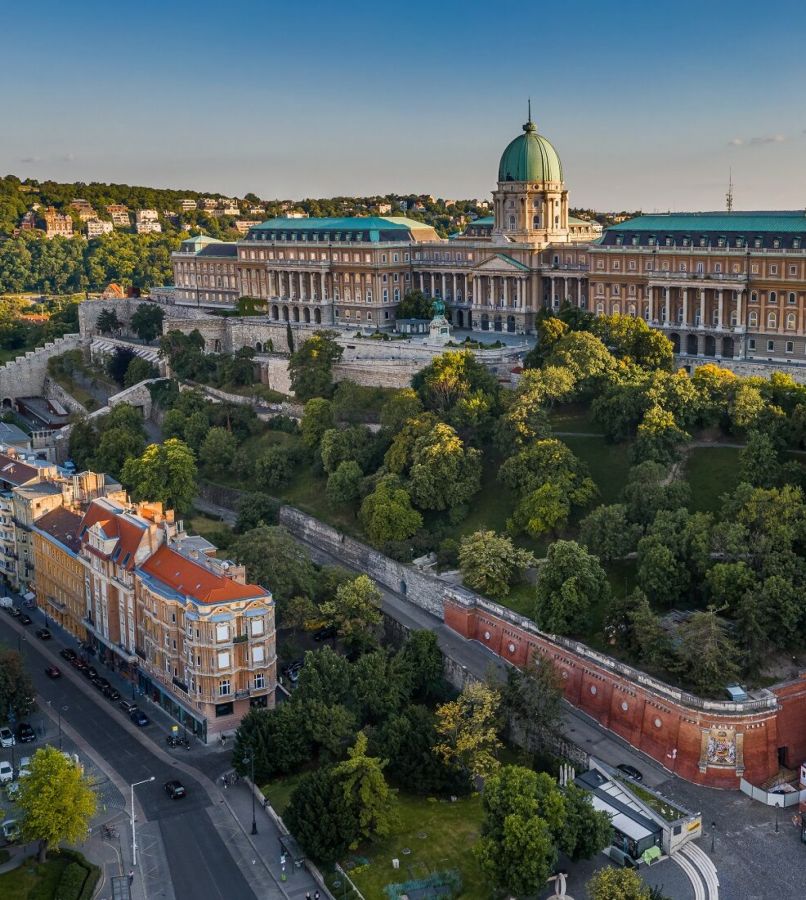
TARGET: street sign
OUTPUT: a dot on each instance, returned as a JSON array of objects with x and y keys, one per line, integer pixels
[{"x": 174, "y": 728}]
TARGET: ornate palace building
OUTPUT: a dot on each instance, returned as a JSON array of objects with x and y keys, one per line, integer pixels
[{"x": 725, "y": 285}]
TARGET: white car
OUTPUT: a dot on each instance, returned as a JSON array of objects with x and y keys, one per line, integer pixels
[
  {"x": 25, "y": 767},
  {"x": 7, "y": 737},
  {"x": 6, "y": 772}
]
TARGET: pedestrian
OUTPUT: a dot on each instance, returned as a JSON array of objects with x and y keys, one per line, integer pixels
[
  {"x": 307, "y": 895},
  {"x": 316, "y": 895},
  {"x": 131, "y": 877}
]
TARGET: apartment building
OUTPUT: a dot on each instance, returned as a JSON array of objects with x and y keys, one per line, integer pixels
[
  {"x": 146, "y": 221},
  {"x": 98, "y": 227},
  {"x": 120, "y": 215},
  {"x": 57, "y": 225}
]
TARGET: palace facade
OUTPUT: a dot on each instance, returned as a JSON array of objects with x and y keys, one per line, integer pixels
[{"x": 728, "y": 285}]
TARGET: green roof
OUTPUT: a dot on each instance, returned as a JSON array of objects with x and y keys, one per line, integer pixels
[
  {"x": 514, "y": 262},
  {"x": 781, "y": 220},
  {"x": 343, "y": 223},
  {"x": 486, "y": 220},
  {"x": 530, "y": 157}
]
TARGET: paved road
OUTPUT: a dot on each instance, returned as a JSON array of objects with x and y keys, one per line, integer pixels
[{"x": 199, "y": 862}]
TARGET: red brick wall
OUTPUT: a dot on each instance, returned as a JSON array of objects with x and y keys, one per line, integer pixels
[{"x": 653, "y": 724}]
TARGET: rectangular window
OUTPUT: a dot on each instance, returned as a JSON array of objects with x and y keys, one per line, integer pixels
[
  {"x": 223, "y": 660},
  {"x": 257, "y": 627},
  {"x": 258, "y": 654},
  {"x": 224, "y": 687},
  {"x": 751, "y": 344},
  {"x": 793, "y": 270},
  {"x": 770, "y": 346},
  {"x": 224, "y": 709},
  {"x": 260, "y": 681},
  {"x": 790, "y": 346},
  {"x": 773, "y": 269},
  {"x": 222, "y": 633}
]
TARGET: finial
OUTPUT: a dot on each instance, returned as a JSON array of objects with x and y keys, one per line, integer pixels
[{"x": 530, "y": 127}]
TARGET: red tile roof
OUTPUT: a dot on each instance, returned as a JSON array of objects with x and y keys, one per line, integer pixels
[
  {"x": 194, "y": 580},
  {"x": 63, "y": 526},
  {"x": 115, "y": 524},
  {"x": 15, "y": 472}
]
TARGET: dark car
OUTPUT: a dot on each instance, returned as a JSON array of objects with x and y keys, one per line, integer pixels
[
  {"x": 175, "y": 789},
  {"x": 79, "y": 663},
  {"x": 68, "y": 654},
  {"x": 329, "y": 631},
  {"x": 139, "y": 717},
  {"x": 25, "y": 734},
  {"x": 111, "y": 693},
  {"x": 53, "y": 672},
  {"x": 101, "y": 683},
  {"x": 90, "y": 672},
  {"x": 128, "y": 706},
  {"x": 25, "y": 619},
  {"x": 13, "y": 611},
  {"x": 630, "y": 772},
  {"x": 43, "y": 634}
]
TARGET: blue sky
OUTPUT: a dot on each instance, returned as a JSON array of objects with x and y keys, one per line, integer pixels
[{"x": 648, "y": 104}]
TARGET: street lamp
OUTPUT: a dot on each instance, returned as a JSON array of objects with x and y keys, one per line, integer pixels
[
  {"x": 713, "y": 835},
  {"x": 60, "y": 710},
  {"x": 251, "y": 761},
  {"x": 134, "y": 838}
]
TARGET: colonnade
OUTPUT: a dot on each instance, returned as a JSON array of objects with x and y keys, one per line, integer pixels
[{"x": 689, "y": 307}]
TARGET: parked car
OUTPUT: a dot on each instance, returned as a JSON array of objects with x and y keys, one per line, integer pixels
[
  {"x": 78, "y": 663},
  {"x": 13, "y": 611},
  {"x": 25, "y": 619},
  {"x": 175, "y": 789},
  {"x": 6, "y": 772},
  {"x": 68, "y": 654},
  {"x": 25, "y": 734},
  {"x": 7, "y": 737},
  {"x": 139, "y": 718},
  {"x": 128, "y": 706},
  {"x": 10, "y": 830},
  {"x": 101, "y": 683},
  {"x": 53, "y": 672},
  {"x": 25, "y": 767},
  {"x": 90, "y": 671},
  {"x": 630, "y": 772},
  {"x": 111, "y": 693},
  {"x": 43, "y": 634},
  {"x": 12, "y": 789},
  {"x": 329, "y": 631}
]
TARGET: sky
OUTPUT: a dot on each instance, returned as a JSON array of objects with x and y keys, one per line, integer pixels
[{"x": 650, "y": 105}]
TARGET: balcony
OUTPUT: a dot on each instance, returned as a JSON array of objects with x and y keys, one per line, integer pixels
[{"x": 738, "y": 278}]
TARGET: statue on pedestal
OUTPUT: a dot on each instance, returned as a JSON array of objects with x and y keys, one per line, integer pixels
[{"x": 439, "y": 331}]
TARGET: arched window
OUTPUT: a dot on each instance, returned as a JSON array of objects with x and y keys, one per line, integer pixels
[
  {"x": 792, "y": 298},
  {"x": 754, "y": 297},
  {"x": 790, "y": 321},
  {"x": 599, "y": 309},
  {"x": 753, "y": 319},
  {"x": 512, "y": 222},
  {"x": 632, "y": 309},
  {"x": 616, "y": 309},
  {"x": 535, "y": 221},
  {"x": 772, "y": 320},
  {"x": 773, "y": 297}
]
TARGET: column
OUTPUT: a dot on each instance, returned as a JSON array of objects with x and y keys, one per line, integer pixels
[
  {"x": 453, "y": 289},
  {"x": 739, "y": 310},
  {"x": 444, "y": 284},
  {"x": 506, "y": 291},
  {"x": 579, "y": 291},
  {"x": 565, "y": 289},
  {"x": 702, "y": 307},
  {"x": 323, "y": 286},
  {"x": 551, "y": 294},
  {"x": 667, "y": 305},
  {"x": 720, "y": 309},
  {"x": 651, "y": 298},
  {"x": 685, "y": 307}
]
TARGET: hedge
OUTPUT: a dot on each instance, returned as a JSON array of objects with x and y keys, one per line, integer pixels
[{"x": 79, "y": 878}]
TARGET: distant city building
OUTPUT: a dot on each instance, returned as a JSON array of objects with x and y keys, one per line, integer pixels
[
  {"x": 84, "y": 210},
  {"x": 243, "y": 225},
  {"x": 120, "y": 215},
  {"x": 56, "y": 224},
  {"x": 205, "y": 269},
  {"x": 28, "y": 221},
  {"x": 384, "y": 209},
  {"x": 208, "y": 203},
  {"x": 146, "y": 221},
  {"x": 296, "y": 214},
  {"x": 97, "y": 227},
  {"x": 187, "y": 204}
]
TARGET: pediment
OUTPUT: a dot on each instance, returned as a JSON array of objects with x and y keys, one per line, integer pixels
[{"x": 501, "y": 264}]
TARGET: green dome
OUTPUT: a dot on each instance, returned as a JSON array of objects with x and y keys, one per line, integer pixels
[{"x": 530, "y": 157}]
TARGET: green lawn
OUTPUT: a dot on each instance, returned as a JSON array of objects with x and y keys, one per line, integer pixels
[
  {"x": 608, "y": 464},
  {"x": 438, "y": 835},
  {"x": 279, "y": 792},
  {"x": 573, "y": 417},
  {"x": 711, "y": 472},
  {"x": 31, "y": 881}
]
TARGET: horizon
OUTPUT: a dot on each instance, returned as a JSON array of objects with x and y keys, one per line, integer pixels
[{"x": 306, "y": 118}]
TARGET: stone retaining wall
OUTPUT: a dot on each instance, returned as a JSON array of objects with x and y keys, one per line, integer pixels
[
  {"x": 52, "y": 390},
  {"x": 25, "y": 375}
]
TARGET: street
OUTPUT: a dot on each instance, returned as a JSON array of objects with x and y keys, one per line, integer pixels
[{"x": 199, "y": 864}]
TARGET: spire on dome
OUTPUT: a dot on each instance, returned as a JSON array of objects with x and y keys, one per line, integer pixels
[{"x": 530, "y": 126}]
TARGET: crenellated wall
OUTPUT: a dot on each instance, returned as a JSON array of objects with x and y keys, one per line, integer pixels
[{"x": 25, "y": 375}]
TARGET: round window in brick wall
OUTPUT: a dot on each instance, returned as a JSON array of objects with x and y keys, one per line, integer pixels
[
  {"x": 624, "y": 705},
  {"x": 486, "y": 635},
  {"x": 593, "y": 689},
  {"x": 511, "y": 648},
  {"x": 658, "y": 723}
]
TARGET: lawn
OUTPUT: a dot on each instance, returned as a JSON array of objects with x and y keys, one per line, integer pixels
[
  {"x": 279, "y": 792},
  {"x": 574, "y": 417},
  {"x": 711, "y": 472},
  {"x": 31, "y": 881},
  {"x": 430, "y": 836}
]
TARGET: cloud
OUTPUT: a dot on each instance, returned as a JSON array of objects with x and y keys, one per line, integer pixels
[
  {"x": 30, "y": 159},
  {"x": 758, "y": 141}
]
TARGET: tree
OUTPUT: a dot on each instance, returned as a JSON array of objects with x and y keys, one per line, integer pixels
[
  {"x": 278, "y": 739},
  {"x": 387, "y": 515},
  {"x": 523, "y": 812},
  {"x": 325, "y": 677},
  {"x": 458, "y": 388},
  {"x": 117, "y": 363},
  {"x": 165, "y": 473},
  {"x": 586, "y": 831},
  {"x": 658, "y": 437},
  {"x": 320, "y": 817},
  {"x": 420, "y": 665},
  {"x": 630, "y": 337},
  {"x": 115, "y": 447},
  {"x": 444, "y": 473},
  {"x": 586, "y": 357},
  {"x": 339, "y": 445},
  {"x": 56, "y": 799},
  {"x": 468, "y": 731},
  {"x": 147, "y": 320},
  {"x": 256, "y": 509},
  {"x": 317, "y": 418},
  {"x": 311, "y": 367},
  {"x": 173, "y": 424},
  {"x": 401, "y": 406},
  {"x": 759, "y": 462},
  {"x": 331, "y": 726},
  {"x": 550, "y": 329},
  {"x": 355, "y": 611},
  {"x": 414, "y": 305},
  {"x": 617, "y": 884},
  {"x": 527, "y": 417},
  {"x": 16, "y": 688},
  {"x": 569, "y": 583},
  {"x": 647, "y": 492},
  {"x": 272, "y": 557},
  {"x": 107, "y": 321},
  {"x": 366, "y": 791},
  {"x": 218, "y": 451},
  {"x": 196, "y": 427},
  {"x": 344, "y": 485},
  {"x": 607, "y": 533},
  {"x": 139, "y": 369},
  {"x": 274, "y": 468},
  {"x": 708, "y": 656},
  {"x": 532, "y": 698},
  {"x": 490, "y": 562}
]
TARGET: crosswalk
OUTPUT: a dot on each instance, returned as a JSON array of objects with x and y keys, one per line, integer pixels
[{"x": 700, "y": 870}]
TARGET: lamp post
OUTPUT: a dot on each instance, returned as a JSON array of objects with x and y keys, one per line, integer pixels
[
  {"x": 777, "y": 807},
  {"x": 60, "y": 710},
  {"x": 252, "y": 772},
  {"x": 713, "y": 835},
  {"x": 134, "y": 838}
]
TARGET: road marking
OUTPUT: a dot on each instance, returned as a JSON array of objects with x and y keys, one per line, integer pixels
[
  {"x": 705, "y": 866},
  {"x": 693, "y": 875}
]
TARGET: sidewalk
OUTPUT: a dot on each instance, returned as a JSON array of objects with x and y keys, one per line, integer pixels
[{"x": 266, "y": 844}]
